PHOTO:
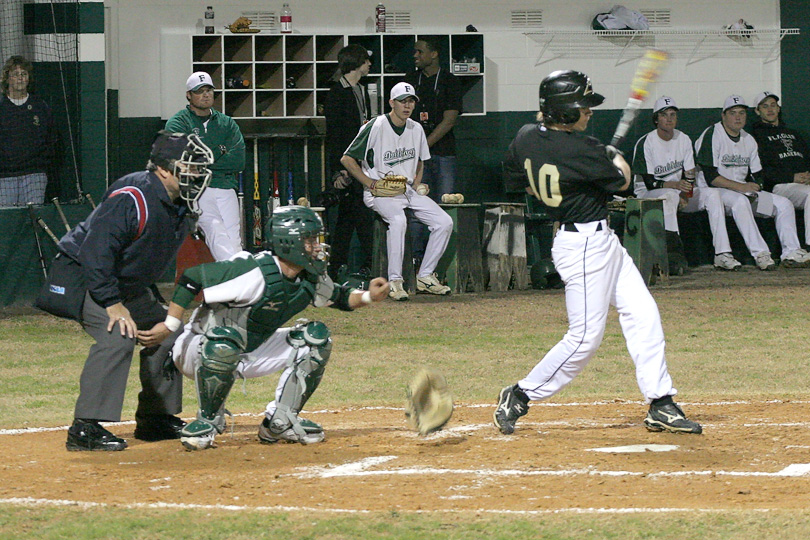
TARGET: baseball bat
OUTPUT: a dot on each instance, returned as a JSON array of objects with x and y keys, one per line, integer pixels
[
  {"x": 42, "y": 263},
  {"x": 290, "y": 196},
  {"x": 649, "y": 69},
  {"x": 90, "y": 200},
  {"x": 274, "y": 199},
  {"x": 257, "y": 209},
  {"x": 306, "y": 168},
  {"x": 44, "y": 226},
  {"x": 61, "y": 213},
  {"x": 323, "y": 165},
  {"x": 241, "y": 196}
]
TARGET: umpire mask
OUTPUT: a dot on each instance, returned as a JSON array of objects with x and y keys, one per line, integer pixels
[{"x": 188, "y": 158}]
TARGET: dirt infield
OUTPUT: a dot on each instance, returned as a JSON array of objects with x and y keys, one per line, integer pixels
[{"x": 752, "y": 455}]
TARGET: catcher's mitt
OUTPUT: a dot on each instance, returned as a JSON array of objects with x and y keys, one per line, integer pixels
[
  {"x": 389, "y": 186},
  {"x": 430, "y": 404}
]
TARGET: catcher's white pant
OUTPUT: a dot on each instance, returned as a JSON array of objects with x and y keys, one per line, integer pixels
[
  {"x": 268, "y": 358},
  {"x": 705, "y": 198},
  {"x": 392, "y": 210},
  {"x": 799, "y": 195},
  {"x": 739, "y": 206},
  {"x": 598, "y": 272},
  {"x": 219, "y": 222},
  {"x": 671, "y": 200}
]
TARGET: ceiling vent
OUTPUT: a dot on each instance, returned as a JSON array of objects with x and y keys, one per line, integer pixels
[
  {"x": 397, "y": 20},
  {"x": 527, "y": 18},
  {"x": 262, "y": 20},
  {"x": 657, "y": 17}
]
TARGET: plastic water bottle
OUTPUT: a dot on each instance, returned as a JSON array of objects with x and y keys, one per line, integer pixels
[
  {"x": 379, "y": 17},
  {"x": 209, "y": 20},
  {"x": 286, "y": 19}
]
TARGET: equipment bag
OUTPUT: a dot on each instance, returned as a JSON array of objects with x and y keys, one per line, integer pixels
[{"x": 63, "y": 292}]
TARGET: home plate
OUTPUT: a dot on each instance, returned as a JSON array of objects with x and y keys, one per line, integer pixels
[{"x": 636, "y": 448}]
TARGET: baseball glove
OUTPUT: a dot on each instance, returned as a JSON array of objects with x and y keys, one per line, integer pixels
[
  {"x": 389, "y": 186},
  {"x": 430, "y": 404}
]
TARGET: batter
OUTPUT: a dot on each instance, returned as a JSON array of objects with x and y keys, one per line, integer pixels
[{"x": 574, "y": 176}]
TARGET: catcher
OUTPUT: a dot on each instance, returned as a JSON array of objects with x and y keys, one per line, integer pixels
[
  {"x": 237, "y": 331},
  {"x": 386, "y": 157}
]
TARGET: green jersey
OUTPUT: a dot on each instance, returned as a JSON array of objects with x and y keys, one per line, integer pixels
[{"x": 249, "y": 293}]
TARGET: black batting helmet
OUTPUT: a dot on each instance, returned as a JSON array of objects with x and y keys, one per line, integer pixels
[{"x": 563, "y": 93}]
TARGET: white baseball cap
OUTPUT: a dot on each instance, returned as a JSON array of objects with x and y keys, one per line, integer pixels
[
  {"x": 402, "y": 90},
  {"x": 197, "y": 80},
  {"x": 762, "y": 96},
  {"x": 664, "y": 102},
  {"x": 733, "y": 101}
]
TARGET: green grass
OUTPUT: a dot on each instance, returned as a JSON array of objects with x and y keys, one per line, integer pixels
[
  {"x": 22, "y": 523},
  {"x": 741, "y": 342}
]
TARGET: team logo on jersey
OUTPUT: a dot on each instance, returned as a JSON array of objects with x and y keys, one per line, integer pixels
[
  {"x": 36, "y": 120},
  {"x": 400, "y": 155},
  {"x": 734, "y": 160},
  {"x": 669, "y": 168}
]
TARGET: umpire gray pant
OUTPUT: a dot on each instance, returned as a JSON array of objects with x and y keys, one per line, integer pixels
[{"x": 104, "y": 377}]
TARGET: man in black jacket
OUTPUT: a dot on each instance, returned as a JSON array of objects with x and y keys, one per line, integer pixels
[
  {"x": 123, "y": 247},
  {"x": 784, "y": 154},
  {"x": 347, "y": 109}
]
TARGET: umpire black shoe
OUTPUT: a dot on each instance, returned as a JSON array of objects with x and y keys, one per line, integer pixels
[
  {"x": 88, "y": 435},
  {"x": 666, "y": 415},
  {"x": 157, "y": 427},
  {"x": 512, "y": 404}
]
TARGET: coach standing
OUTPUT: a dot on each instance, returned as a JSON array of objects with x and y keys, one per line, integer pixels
[
  {"x": 123, "y": 247},
  {"x": 437, "y": 111},
  {"x": 220, "y": 217}
]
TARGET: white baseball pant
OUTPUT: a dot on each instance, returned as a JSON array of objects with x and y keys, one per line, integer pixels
[
  {"x": 706, "y": 198},
  {"x": 598, "y": 273},
  {"x": 268, "y": 358},
  {"x": 739, "y": 206},
  {"x": 219, "y": 222},
  {"x": 799, "y": 195},
  {"x": 392, "y": 210}
]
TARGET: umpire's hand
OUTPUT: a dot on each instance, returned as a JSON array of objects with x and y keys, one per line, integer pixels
[{"x": 120, "y": 314}]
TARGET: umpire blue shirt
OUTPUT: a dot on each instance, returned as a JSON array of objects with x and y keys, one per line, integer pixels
[{"x": 127, "y": 243}]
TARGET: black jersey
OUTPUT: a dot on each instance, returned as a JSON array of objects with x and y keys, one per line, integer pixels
[{"x": 567, "y": 171}]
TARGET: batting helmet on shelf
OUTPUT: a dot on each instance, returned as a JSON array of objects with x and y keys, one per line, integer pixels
[
  {"x": 563, "y": 93},
  {"x": 288, "y": 232},
  {"x": 544, "y": 275}
]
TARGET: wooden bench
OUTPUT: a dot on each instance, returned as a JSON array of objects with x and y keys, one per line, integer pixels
[
  {"x": 504, "y": 242},
  {"x": 461, "y": 264}
]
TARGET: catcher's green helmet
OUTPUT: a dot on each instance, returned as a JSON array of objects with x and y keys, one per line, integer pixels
[
  {"x": 544, "y": 275},
  {"x": 287, "y": 232}
]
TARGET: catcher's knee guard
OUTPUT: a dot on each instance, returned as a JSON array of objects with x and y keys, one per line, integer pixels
[
  {"x": 221, "y": 349},
  {"x": 303, "y": 377}
]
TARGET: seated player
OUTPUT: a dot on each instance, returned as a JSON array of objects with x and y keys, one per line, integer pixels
[{"x": 237, "y": 331}]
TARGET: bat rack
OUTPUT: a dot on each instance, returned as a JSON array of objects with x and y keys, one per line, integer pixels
[{"x": 629, "y": 45}]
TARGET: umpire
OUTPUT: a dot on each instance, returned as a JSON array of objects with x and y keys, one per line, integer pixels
[{"x": 123, "y": 247}]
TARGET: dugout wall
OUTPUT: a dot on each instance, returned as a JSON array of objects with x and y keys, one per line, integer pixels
[{"x": 117, "y": 106}]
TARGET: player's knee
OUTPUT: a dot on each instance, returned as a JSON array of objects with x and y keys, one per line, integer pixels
[
  {"x": 221, "y": 349},
  {"x": 314, "y": 334}
]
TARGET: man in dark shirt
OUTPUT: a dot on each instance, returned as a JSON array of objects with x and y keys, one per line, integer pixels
[
  {"x": 347, "y": 109},
  {"x": 784, "y": 154},
  {"x": 124, "y": 246},
  {"x": 574, "y": 176},
  {"x": 438, "y": 109}
]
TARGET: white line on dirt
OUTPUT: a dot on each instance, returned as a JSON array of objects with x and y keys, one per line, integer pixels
[
  {"x": 360, "y": 468},
  {"x": 29, "y": 502}
]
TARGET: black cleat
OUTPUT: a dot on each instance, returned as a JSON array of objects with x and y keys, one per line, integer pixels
[
  {"x": 157, "y": 427},
  {"x": 88, "y": 435},
  {"x": 670, "y": 417},
  {"x": 512, "y": 404}
]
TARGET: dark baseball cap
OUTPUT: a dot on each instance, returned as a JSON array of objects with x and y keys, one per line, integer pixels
[{"x": 167, "y": 147}]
